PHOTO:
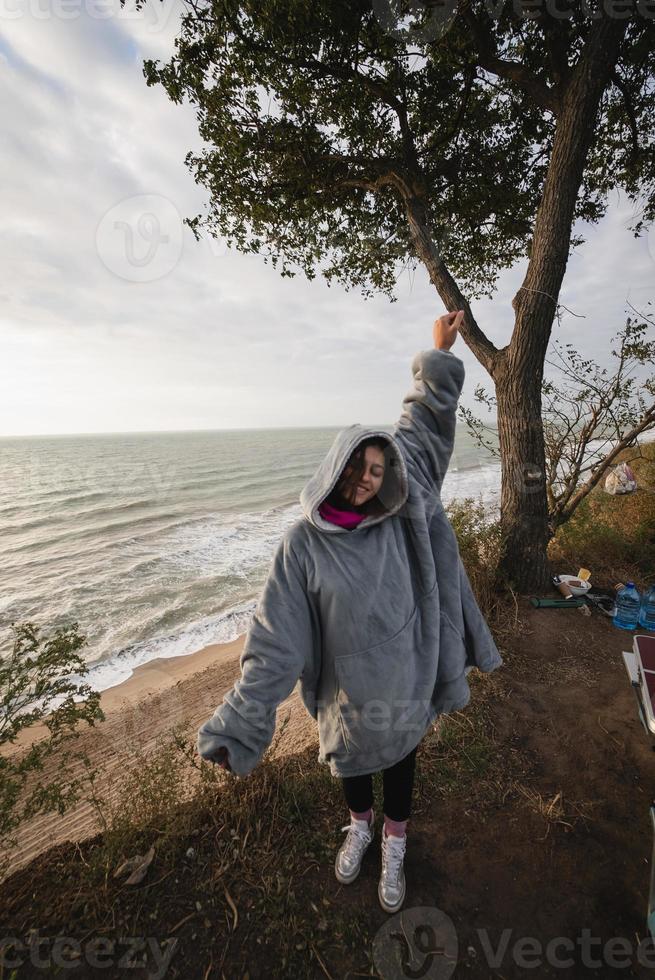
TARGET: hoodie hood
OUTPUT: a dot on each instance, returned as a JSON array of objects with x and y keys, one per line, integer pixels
[{"x": 393, "y": 492}]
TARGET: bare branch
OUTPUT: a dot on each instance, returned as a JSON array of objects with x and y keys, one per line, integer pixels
[
  {"x": 647, "y": 423},
  {"x": 573, "y": 444}
]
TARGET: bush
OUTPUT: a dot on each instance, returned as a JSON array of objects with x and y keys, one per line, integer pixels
[
  {"x": 478, "y": 539},
  {"x": 613, "y": 536},
  {"x": 32, "y": 678}
]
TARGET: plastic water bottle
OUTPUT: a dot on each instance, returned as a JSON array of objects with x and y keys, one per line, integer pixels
[
  {"x": 628, "y": 604},
  {"x": 647, "y": 611}
]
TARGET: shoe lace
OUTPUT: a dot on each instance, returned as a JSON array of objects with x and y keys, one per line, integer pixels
[
  {"x": 357, "y": 836},
  {"x": 392, "y": 854}
]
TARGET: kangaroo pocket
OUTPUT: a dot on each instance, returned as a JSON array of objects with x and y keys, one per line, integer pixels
[{"x": 384, "y": 691}]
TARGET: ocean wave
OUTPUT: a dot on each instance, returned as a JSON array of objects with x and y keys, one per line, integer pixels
[{"x": 224, "y": 627}]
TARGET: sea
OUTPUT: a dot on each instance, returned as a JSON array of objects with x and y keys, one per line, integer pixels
[{"x": 158, "y": 543}]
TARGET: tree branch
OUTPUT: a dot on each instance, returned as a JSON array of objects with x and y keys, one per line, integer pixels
[
  {"x": 514, "y": 71},
  {"x": 629, "y": 109},
  {"x": 558, "y": 44},
  {"x": 421, "y": 232}
]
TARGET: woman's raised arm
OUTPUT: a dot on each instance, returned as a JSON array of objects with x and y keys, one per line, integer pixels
[{"x": 426, "y": 427}]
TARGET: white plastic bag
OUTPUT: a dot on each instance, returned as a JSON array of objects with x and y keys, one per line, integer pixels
[{"x": 620, "y": 480}]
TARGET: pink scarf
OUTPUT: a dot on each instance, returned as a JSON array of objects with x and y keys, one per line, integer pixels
[{"x": 344, "y": 518}]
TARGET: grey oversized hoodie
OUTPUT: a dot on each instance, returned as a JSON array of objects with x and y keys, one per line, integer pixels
[{"x": 379, "y": 623}]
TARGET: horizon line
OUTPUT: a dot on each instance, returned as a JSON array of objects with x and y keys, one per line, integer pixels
[{"x": 149, "y": 432}]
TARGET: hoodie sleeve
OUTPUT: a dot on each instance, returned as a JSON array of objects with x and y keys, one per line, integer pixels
[
  {"x": 279, "y": 647},
  {"x": 426, "y": 427}
]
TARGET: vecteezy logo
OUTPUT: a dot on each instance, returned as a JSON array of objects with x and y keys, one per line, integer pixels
[
  {"x": 419, "y": 943},
  {"x": 140, "y": 238},
  {"x": 415, "y": 21}
]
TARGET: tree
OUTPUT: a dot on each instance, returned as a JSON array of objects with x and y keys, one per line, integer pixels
[
  {"x": 340, "y": 144},
  {"x": 590, "y": 406},
  {"x": 33, "y": 677}
]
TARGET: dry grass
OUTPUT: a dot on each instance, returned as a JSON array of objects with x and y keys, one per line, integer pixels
[
  {"x": 576, "y": 670},
  {"x": 556, "y": 810},
  {"x": 230, "y": 860},
  {"x": 460, "y": 754}
]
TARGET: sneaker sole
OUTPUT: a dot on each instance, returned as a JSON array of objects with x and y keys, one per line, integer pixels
[
  {"x": 345, "y": 881},
  {"x": 392, "y": 908}
]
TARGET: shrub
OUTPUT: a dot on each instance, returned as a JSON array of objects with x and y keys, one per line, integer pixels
[
  {"x": 33, "y": 677},
  {"x": 478, "y": 539}
]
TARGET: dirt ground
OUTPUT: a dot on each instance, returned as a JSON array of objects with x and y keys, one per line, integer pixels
[
  {"x": 553, "y": 868},
  {"x": 553, "y": 874},
  {"x": 567, "y": 723}
]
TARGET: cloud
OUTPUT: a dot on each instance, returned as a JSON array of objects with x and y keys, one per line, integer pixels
[{"x": 90, "y": 343}]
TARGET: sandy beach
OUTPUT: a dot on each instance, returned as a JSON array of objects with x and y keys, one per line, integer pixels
[{"x": 158, "y": 695}]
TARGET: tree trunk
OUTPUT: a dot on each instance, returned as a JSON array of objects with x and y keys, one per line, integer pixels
[
  {"x": 524, "y": 509},
  {"x": 517, "y": 370}
]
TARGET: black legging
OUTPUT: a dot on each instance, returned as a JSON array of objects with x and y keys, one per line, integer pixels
[{"x": 397, "y": 785}]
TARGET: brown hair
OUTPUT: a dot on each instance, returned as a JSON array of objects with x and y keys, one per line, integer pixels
[{"x": 373, "y": 507}]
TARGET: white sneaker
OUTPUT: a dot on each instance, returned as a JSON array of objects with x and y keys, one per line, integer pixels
[
  {"x": 391, "y": 888},
  {"x": 349, "y": 857}
]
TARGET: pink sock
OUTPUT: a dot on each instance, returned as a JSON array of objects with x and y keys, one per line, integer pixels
[
  {"x": 364, "y": 815},
  {"x": 395, "y": 828}
]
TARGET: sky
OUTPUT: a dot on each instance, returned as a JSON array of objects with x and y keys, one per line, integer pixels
[{"x": 113, "y": 318}]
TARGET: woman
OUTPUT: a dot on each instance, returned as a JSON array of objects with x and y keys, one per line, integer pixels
[{"x": 367, "y": 603}]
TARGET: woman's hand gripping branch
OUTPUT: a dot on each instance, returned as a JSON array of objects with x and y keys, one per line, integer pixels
[{"x": 445, "y": 329}]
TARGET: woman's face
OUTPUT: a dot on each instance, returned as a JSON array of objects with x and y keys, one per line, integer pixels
[{"x": 369, "y": 482}]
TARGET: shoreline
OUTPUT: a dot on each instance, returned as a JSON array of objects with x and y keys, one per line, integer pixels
[{"x": 148, "y": 680}]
